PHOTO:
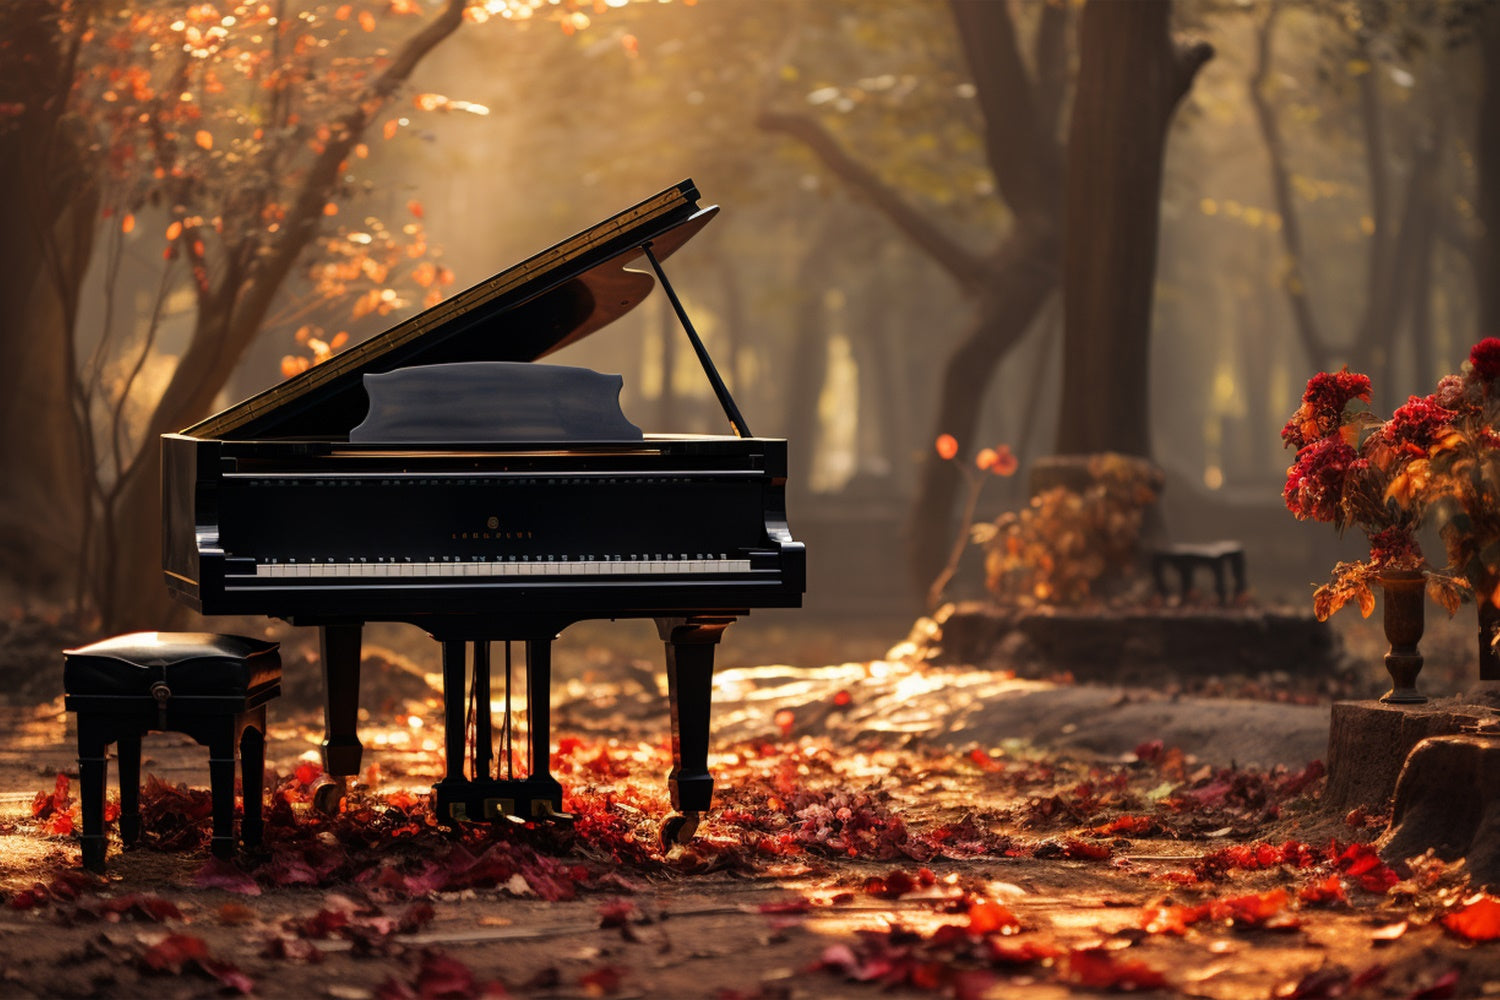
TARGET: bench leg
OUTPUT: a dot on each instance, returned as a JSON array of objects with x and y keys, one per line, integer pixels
[
  {"x": 221, "y": 767},
  {"x": 129, "y": 747},
  {"x": 93, "y": 770},
  {"x": 253, "y": 777}
]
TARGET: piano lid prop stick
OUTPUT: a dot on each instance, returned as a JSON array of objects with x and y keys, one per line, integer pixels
[{"x": 736, "y": 419}]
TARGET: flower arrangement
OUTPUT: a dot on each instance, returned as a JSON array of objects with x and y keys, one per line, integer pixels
[{"x": 1380, "y": 476}]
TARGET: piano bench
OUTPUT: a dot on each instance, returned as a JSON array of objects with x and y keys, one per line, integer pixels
[{"x": 213, "y": 688}]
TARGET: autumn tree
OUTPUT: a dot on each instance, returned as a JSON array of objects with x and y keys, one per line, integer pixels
[
  {"x": 1021, "y": 92},
  {"x": 222, "y": 133},
  {"x": 1384, "y": 64}
]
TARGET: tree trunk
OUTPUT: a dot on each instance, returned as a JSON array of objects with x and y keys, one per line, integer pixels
[
  {"x": 50, "y": 205},
  {"x": 1130, "y": 80}
]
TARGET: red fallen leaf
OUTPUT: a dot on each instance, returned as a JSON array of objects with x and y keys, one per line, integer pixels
[
  {"x": 1171, "y": 919},
  {"x": 988, "y": 917},
  {"x": 1327, "y": 983},
  {"x": 145, "y": 905},
  {"x": 60, "y": 824},
  {"x": 985, "y": 762},
  {"x": 1176, "y": 878},
  {"x": 601, "y": 982},
  {"x": 1097, "y": 968},
  {"x": 894, "y": 885},
  {"x": 1149, "y": 751},
  {"x": 417, "y": 916},
  {"x": 218, "y": 874},
  {"x": 1329, "y": 890},
  {"x": 1297, "y": 783},
  {"x": 1124, "y": 825},
  {"x": 616, "y": 913},
  {"x": 1007, "y": 951},
  {"x": 842, "y": 698},
  {"x": 1444, "y": 987},
  {"x": 1361, "y": 863},
  {"x": 307, "y": 772},
  {"x": 173, "y": 952},
  {"x": 234, "y": 914},
  {"x": 47, "y": 803},
  {"x": 1477, "y": 920},
  {"x": 972, "y": 984},
  {"x": 785, "y": 720},
  {"x": 227, "y": 974},
  {"x": 1074, "y": 849},
  {"x": 1255, "y": 909}
]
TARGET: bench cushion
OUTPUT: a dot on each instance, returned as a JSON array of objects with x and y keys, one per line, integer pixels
[{"x": 191, "y": 664}]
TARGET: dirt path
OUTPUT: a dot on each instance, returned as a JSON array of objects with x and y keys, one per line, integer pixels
[{"x": 879, "y": 830}]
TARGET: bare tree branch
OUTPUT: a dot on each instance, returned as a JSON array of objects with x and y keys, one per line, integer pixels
[{"x": 967, "y": 268}]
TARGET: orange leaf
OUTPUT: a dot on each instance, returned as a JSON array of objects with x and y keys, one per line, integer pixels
[
  {"x": 414, "y": 207},
  {"x": 987, "y": 916},
  {"x": 330, "y": 209},
  {"x": 947, "y": 446},
  {"x": 367, "y": 20},
  {"x": 391, "y": 128},
  {"x": 1478, "y": 920},
  {"x": 344, "y": 12},
  {"x": 204, "y": 139},
  {"x": 127, "y": 224},
  {"x": 174, "y": 230},
  {"x": 339, "y": 339}
]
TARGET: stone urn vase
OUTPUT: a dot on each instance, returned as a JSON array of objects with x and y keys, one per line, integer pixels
[{"x": 1402, "y": 610}]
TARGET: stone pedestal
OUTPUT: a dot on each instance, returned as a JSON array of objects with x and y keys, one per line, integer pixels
[
  {"x": 1448, "y": 801},
  {"x": 1369, "y": 741}
]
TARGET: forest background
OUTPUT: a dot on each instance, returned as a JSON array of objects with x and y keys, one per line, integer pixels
[{"x": 202, "y": 198}]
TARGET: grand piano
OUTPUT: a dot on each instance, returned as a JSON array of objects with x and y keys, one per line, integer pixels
[{"x": 438, "y": 474}]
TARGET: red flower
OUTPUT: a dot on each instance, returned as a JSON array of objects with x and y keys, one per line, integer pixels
[
  {"x": 1485, "y": 357},
  {"x": 1323, "y": 402},
  {"x": 1315, "y": 482},
  {"x": 1418, "y": 423}
]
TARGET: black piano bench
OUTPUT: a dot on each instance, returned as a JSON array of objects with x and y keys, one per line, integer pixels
[{"x": 213, "y": 688}]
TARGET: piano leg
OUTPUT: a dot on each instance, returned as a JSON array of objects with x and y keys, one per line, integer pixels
[
  {"x": 545, "y": 789},
  {"x": 690, "y": 646},
  {"x": 484, "y": 737},
  {"x": 340, "y": 648}
]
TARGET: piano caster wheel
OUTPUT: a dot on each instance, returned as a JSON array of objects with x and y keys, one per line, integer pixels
[
  {"x": 678, "y": 829},
  {"x": 328, "y": 793}
]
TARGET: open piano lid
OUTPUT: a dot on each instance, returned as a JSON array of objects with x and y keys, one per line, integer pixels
[{"x": 521, "y": 314}]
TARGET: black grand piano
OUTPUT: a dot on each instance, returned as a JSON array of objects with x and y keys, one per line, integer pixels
[{"x": 436, "y": 474}]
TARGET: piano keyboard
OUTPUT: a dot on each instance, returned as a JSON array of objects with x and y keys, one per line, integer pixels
[{"x": 500, "y": 570}]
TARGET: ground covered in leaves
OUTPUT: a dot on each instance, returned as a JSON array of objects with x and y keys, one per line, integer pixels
[{"x": 852, "y": 852}]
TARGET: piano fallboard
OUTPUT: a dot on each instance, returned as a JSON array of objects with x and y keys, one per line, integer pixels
[{"x": 320, "y": 530}]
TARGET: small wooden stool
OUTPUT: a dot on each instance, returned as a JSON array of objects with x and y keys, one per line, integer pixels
[{"x": 213, "y": 688}]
